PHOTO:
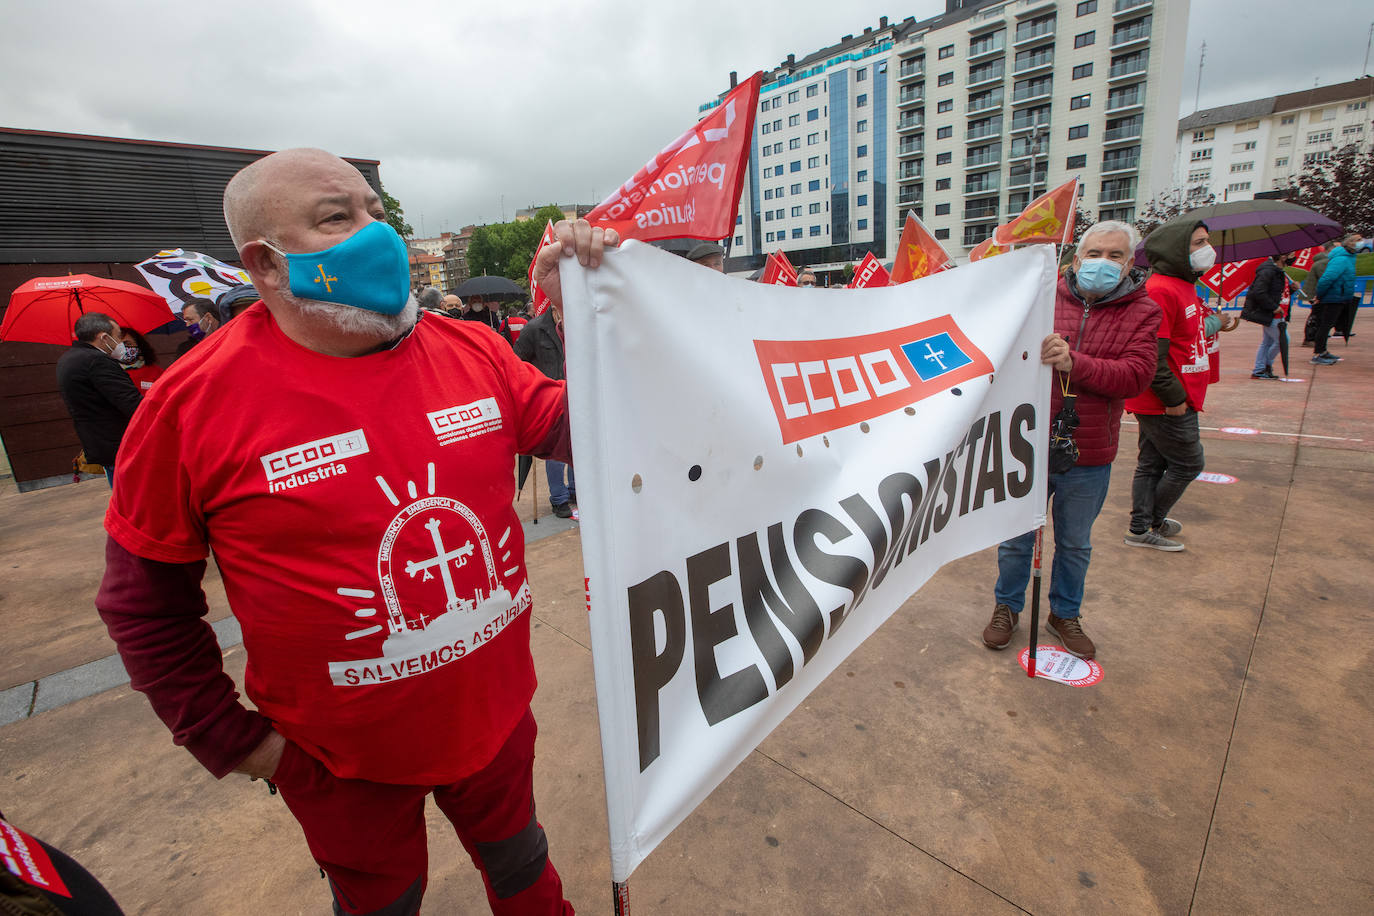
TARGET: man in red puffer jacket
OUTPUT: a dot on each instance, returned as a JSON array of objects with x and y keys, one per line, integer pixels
[{"x": 1103, "y": 351}]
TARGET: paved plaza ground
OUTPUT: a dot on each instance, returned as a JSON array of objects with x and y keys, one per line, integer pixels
[{"x": 1221, "y": 766}]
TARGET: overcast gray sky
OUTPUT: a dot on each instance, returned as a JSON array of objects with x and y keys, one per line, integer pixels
[{"x": 466, "y": 103}]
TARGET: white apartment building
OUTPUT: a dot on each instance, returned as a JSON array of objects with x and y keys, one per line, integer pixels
[
  {"x": 1237, "y": 151},
  {"x": 964, "y": 117}
]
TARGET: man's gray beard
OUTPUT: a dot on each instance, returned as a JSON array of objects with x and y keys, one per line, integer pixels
[{"x": 355, "y": 321}]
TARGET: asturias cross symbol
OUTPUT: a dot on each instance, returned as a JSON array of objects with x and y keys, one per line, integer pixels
[
  {"x": 325, "y": 279},
  {"x": 935, "y": 355},
  {"x": 441, "y": 559}
]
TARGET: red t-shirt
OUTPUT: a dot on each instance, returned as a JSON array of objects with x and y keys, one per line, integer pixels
[
  {"x": 1181, "y": 321},
  {"x": 144, "y": 376},
  {"x": 360, "y": 512},
  {"x": 514, "y": 325}
]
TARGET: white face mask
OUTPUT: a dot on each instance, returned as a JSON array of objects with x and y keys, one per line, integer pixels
[
  {"x": 1203, "y": 259},
  {"x": 119, "y": 351}
]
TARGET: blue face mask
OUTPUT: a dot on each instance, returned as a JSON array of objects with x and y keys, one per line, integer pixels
[
  {"x": 1098, "y": 276},
  {"x": 368, "y": 270}
]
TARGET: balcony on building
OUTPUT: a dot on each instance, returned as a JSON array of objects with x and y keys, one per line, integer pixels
[
  {"x": 909, "y": 196},
  {"x": 1131, "y": 33},
  {"x": 1021, "y": 148},
  {"x": 980, "y": 209},
  {"x": 1123, "y": 7},
  {"x": 915, "y": 94},
  {"x": 983, "y": 157},
  {"x": 910, "y": 171},
  {"x": 976, "y": 234},
  {"x": 1023, "y": 176},
  {"x": 911, "y": 146},
  {"x": 985, "y": 101},
  {"x": 1029, "y": 120},
  {"x": 910, "y": 120},
  {"x": 1030, "y": 61},
  {"x": 983, "y": 183},
  {"x": 1032, "y": 91},
  {"x": 989, "y": 127},
  {"x": 1125, "y": 99},
  {"x": 911, "y": 69},
  {"x": 987, "y": 46},
  {"x": 1134, "y": 65},
  {"x": 1121, "y": 130},
  {"x": 983, "y": 20},
  {"x": 1033, "y": 30},
  {"x": 991, "y": 72},
  {"x": 1117, "y": 195},
  {"x": 1125, "y": 161},
  {"x": 1025, "y": 8}
]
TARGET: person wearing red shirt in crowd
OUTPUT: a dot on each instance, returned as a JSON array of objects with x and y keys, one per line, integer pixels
[
  {"x": 1171, "y": 455},
  {"x": 140, "y": 359},
  {"x": 360, "y": 512},
  {"x": 514, "y": 325},
  {"x": 1103, "y": 351}
]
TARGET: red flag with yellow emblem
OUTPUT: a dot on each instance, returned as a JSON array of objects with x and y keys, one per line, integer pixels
[
  {"x": 988, "y": 248},
  {"x": 919, "y": 254},
  {"x": 1049, "y": 218}
]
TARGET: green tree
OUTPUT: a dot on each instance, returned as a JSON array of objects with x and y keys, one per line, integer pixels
[
  {"x": 1341, "y": 188},
  {"x": 396, "y": 216},
  {"x": 506, "y": 249}
]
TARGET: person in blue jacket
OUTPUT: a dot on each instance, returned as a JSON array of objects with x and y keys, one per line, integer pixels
[{"x": 1335, "y": 291}]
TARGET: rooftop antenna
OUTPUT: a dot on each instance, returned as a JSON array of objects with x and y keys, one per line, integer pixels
[
  {"x": 1364, "y": 70},
  {"x": 1202, "y": 58}
]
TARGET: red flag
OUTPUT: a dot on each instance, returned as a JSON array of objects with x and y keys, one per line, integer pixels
[
  {"x": 1048, "y": 218},
  {"x": 988, "y": 248},
  {"x": 871, "y": 272},
  {"x": 541, "y": 301},
  {"x": 1303, "y": 259},
  {"x": 691, "y": 189},
  {"x": 919, "y": 254},
  {"x": 1228, "y": 280},
  {"x": 778, "y": 271}
]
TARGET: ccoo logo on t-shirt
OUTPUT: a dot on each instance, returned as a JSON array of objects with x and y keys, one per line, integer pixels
[{"x": 311, "y": 461}]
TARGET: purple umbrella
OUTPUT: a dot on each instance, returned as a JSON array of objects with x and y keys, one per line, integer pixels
[{"x": 1246, "y": 229}]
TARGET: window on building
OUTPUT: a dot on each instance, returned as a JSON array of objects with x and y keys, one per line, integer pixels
[
  {"x": 861, "y": 127},
  {"x": 814, "y": 162},
  {"x": 768, "y": 216},
  {"x": 796, "y": 211},
  {"x": 813, "y": 185},
  {"x": 861, "y": 152},
  {"x": 1285, "y": 141},
  {"x": 1243, "y": 147},
  {"x": 1281, "y": 162},
  {"x": 1352, "y": 130},
  {"x": 1315, "y": 158},
  {"x": 1242, "y": 167},
  {"x": 793, "y": 120},
  {"x": 1086, "y": 7},
  {"x": 793, "y": 95},
  {"x": 812, "y": 90},
  {"x": 1318, "y": 136},
  {"x": 797, "y": 233},
  {"x": 861, "y": 100},
  {"x": 1358, "y": 106},
  {"x": 1288, "y": 119},
  {"x": 1083, "y": 39},
  {"x": 1078, "y": 132},
  {"x": 765, "y": 127},
  {"x": 1200, "y": 175},
  {"x": 794, "y": 165},
  {"x": 1247, "y": 126},
  {"x": 815, "y": 230},
  {"x": 1238, "y": 186},
  {"x": 1076, "y": 162},
  {"x": 812, "y": 139},
  {"x": 862, "y": 224},
  {"x": 767, "y": 193},
  {"x": 942, "y": 234},
  {"x": 763, "y": 106},
  {"x": 768, "y": 172},
  {"x": 1200, "y": 154},
  {"x": 796, "y": 188},
  {"x": 946, "y": 52},
  {"x": 942, "y": 184},
  {"x": 777, "y": 125},
  {"x": 794, "y": 143},
  {"x": 1080, "y": 101},
  {"x": 944, "y": 105},
  {"x": 944, "y": 133},
  {"x": 860, "y": 74},
  {"x": 942, "y": 209},
  {"x": 1201, "y": 136},
  {"x": 1082, "y": 70},
  {"x": 739, "y": 240},
  {"x": 777, "y": 148},
  {"x": 814, "y": 208},
  {"x": 813, "y": 114},
  {"x": 1326, "y": 114},
  {"x": 768, "y": 236},
  {"x": 861, "y": 177},
  {"x": 945, "y": 79},
  {"x": 943, "y": 158}
]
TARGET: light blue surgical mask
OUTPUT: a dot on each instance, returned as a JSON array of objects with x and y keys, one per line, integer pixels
[
  {"x": 368, "y": 270},
  {"x": 1098, "y": 276}
]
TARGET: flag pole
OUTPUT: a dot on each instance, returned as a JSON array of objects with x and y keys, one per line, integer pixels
[
  {"x": 620, "y": 894},
  {"x": 1035, "y": 600}
]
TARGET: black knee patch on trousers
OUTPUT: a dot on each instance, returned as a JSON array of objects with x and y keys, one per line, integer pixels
[{"x": 515, "y": 863}]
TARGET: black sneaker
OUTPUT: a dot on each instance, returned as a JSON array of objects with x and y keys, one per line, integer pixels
[
  {"x": 997, "y": 634},
  {"x": 563, "y": 510},
  {"x": 1266, "y": 374}
]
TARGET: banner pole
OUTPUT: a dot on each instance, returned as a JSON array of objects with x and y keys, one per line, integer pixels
[
  {"x": 620, "y": 894},
  {"x": 1035, "y": 600}
]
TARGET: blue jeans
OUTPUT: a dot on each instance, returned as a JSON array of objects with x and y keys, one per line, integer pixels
[
  {"x": 1077, "y": 496},
  {"x": 1268, "y": 346},
  {"x": 560, "y": 492}
]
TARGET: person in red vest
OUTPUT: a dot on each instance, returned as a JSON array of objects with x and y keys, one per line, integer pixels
[
  {"x": 361, "y": 516},
  {"x": 515, "y": 324}
]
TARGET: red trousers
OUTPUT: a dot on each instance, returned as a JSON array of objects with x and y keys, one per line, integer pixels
[{"x": 370, "y": 837}]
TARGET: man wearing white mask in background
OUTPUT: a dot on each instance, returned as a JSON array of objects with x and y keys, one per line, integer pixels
[
  {"x": 1102, "y": 351},
  {"x": 1170, "y": 444}
]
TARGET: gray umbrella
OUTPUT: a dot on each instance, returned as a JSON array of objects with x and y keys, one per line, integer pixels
[{"x": 485, "y": 287}]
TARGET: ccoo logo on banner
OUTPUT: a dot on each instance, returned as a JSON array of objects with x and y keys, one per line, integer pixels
[{"x": 783, "y": 472}]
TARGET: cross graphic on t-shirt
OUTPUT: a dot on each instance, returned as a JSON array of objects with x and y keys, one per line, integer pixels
[{"x": 441, "y": 560}]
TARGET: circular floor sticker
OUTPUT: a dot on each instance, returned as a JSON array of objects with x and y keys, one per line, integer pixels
[
  {"x": 1240, "y": 430},
  {"x": 1053, "y": 663},
  {"x": 1214, "y": 477},
  {"x": 1282, "y": 379}
]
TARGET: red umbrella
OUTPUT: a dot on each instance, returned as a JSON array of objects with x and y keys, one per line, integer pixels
[{"x": 44, "y": 309}]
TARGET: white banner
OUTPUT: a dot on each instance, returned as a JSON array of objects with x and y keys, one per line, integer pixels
[{"x": 765, "y": 475}]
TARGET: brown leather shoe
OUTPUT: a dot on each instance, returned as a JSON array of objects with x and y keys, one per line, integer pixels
[
  {"x": 1071, "y": 636},
  {"x": 997, "y": 634}
]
